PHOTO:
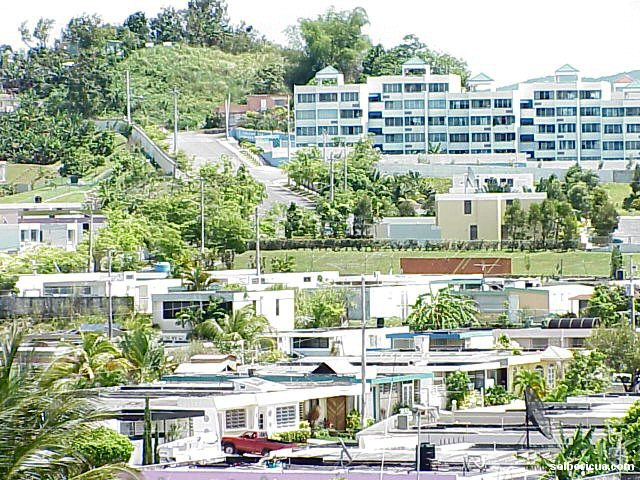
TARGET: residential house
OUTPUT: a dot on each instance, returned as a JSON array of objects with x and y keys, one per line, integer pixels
[{"x": 255, "y": 103}]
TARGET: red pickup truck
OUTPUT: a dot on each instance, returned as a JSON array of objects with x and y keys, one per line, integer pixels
[{"x": 252, "y": 442}]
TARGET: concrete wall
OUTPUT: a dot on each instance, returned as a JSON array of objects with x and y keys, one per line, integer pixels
[{"x": 56, "y": 307}]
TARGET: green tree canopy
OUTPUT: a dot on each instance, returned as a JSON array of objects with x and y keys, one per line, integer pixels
[{"x": 445, "y": 309}]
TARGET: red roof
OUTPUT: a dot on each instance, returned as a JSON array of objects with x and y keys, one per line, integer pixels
[{"x": 623, "y": 79}]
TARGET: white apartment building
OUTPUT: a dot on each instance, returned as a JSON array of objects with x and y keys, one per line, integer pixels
[{"x": 417, "y": 112}]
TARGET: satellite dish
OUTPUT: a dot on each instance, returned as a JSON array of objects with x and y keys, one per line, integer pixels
[{"x": 535, "y": 414}]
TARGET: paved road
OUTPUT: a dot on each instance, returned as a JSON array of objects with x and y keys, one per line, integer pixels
[{"x": 205, "y": 148}]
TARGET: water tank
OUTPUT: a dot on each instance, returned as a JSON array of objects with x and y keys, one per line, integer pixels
[{"x": 163, "y": 267}]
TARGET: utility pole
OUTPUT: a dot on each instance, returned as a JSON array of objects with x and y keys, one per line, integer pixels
[
  {"x": 128, "y": 78},
  {"x": 632, "y": 294},
  {"x": 109, "y": 281},
  {"x": 288, "y": 129},
  {"x": 91, "y": 204},
  {"x": 363, "y": 356},
  {"x": 175, "y": 121},
  {"x": 344, "y": 179},
  {"x": 202, "y": 218},
  {"x": 324, "y": 146},
  {"x": 331, "y": 180},
  {"x": 227, "y": 108},
  {"x": 258, "y": 267}
]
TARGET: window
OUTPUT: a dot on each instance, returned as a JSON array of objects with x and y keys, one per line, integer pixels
[
  {"x": 459, "y": 104},
  {"x": 437, "y": 137},
  {"x": 311, "y": 342},
  {"x": 34, "y": 235},
  {"x": 329, "y": 130},
  {"x": 504, "y": 120},
  {"x": 480, "y": 150},
  {"x": 632, "y": 145},
  {"x": 286, "y": 417},
  {"x": 590, "y": 144},
  {"x": 413, "y": 137},
  {"x": 504, "y": 137},
  {"x": 590, "y": 94},
  {"x": 306, "y": 97},
  {"x": 438, "y": 87},
  {"x": 391, "y": 87},
  {"x": 612, "y": 145},
  {"x": 306, "y": 131},
  {"x": 590, "y": 127},
  {"x": 566, "y": 128},
  {"x": 437, "y": 104},
  {"x": 66, "y": 290},
  {"x": 632, "y": 111},
  {"x": 546, "y": 145},
  {"x": 546, "y": 128},
  {"x": 504, "y": 150},
  {"x": 235, "y": 419},
  {"x": 473, "y": 232},
  {"x": 467, "y": 207},
  {"x": 170, "y": 310},
  {"x": 375, "y": 131},
  {"x": 326, "y": 114},
  {"x": 502, "y": 103},
  {"x": 415, "y": 104},
  {"x": 393, "y": 138},
  {"x": 566, "y": 111},
  {"x": 393, "y": 121},
  {"x": 393, "y": 105},
  {"x": 545, "y": 112},
  {"x": 590, "y": 111},
  {"x": 351, "y": 130},
  {"x": 414, "y": 87},
  {"x": 305, "y": 115},
  {"x": 459, "y": 137},
  {"x": 613, "y": 128},
  {"x": 327, "y": 97},
  {"x": 414, "y": 121},
  {"x": 566, "y": 94},
  {"x": 375, "y": 97},
  {"x": 526, "y": 138},
  {"x": 351, "y": 113},
  {"x": 436, "y": 121},
  {"x": 567, "y": 145},
  {"x": 277, "y": 307},
  {"x": 485, "y": 103},
  {"x": 349, "y": 96},
  {"x": 24, "y": 235},
  {"x": 543, "y": 95},
  {"x": 71, "y": 236},
  {"x": 458, "y": 121},
  {"x": 633, "y": 128},
  {"x": 551, "y": 376},
  {"x": 480, "y": 137},
  {"x": 375, "y": 114},
  {"x": 480, "y": 120},
  {"x": 613, "y": 112},
  {"x": 526, "y": 121},
  {"x": 526, "y": 103}
]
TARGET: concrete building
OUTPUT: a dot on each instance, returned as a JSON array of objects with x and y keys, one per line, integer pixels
[
  {"x": 471, "y": 182},
  {"x": 478, "y": 216},
  {"x": 3, "y": 171},
  {"x": 8, "y": 102},
  {"x": 418, "y": 111},
  {"x": 255, "y": 103},
  {"x": 62, "y": 225},
  {"x": 407, "y": 228}
]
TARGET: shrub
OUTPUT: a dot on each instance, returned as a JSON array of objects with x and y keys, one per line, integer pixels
[
  {"x": 295, "y": 436},
  {"x": 353, "y": 421},
  {"x": 497, "y": 395},
  {"x": 457, "y": 387},
  {"x": 103, "y": 446}
]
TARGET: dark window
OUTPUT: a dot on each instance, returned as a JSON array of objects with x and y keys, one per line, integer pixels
[
  {"x": 327, "y": 97},
  {"x": 473, "y": 232},
  {"x": 277, "y": 307},
  {"x": 313, "y": 342},
  {"x": 467, "y": 207}
]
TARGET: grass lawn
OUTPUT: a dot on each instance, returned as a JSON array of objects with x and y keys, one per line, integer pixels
[
  {"x": 541, "y": 263},
  {"x": 24, "y": 173},
  {"x": 617, "y": 192}
]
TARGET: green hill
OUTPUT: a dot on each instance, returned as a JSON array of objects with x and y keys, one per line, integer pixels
[{"x": 203, "y": 77}]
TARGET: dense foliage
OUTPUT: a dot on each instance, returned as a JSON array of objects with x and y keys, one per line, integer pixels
[
  {"x": 103, "y": 446},
  {"x": 445, "y": 309},
  {"x": 457, "y": 384},
  {"x": 609, "y": 304}
]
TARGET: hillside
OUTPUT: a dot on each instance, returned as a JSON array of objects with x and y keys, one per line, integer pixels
[
  {"x": 635, "y": 74},
  {"x": 203, "y": 77}
]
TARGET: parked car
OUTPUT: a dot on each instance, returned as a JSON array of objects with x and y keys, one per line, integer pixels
[{"x": 252, "y": 442}]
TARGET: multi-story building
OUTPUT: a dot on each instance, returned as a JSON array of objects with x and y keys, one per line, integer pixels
[{"x": 567, "y": 118}]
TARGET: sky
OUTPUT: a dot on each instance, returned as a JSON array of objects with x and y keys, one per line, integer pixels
[{"x": 510, "y": 40}]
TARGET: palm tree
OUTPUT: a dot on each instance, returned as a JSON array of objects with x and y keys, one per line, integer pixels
[
  {"x": 241, "y": 328},
  {"x": 146, "y": 355},
  {"x": 95, "y": 362},
  {"x": 197, "y": 279},
  {"x": 529, "y": 379},
  {"x": 444, "y": 310},
  {"x": 39, "y": 420}
]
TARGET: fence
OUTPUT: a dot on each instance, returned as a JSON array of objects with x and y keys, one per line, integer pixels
[{"x": 46, "y": 308}]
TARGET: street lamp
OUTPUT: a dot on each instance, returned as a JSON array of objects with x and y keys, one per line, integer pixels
[{"x": 418, "y": 410}]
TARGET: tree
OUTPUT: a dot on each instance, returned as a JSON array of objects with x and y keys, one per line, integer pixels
[
  {"x": 286, "y": 263},
  {"x": 40, "y": 421},
  {"x": 321, "y": 308},
  {"x": 334, "y": 38},
  {"x": 197, "y": 279},
  {"x": 457, "y": 384},
  {"x": 207, "y": 22},
  {"x": 269, "y": 79},
  {"x": 444, "y": 310},
  {"x": 168, "y": 26},
  {"x": 616, "y": 261},
  {"x": 529, "y": 379},
  {"x": 631, "y": 202},
  {"x": 239, "y": 330},
  {"x": 621, "y": 349},
  {"x": 587, "y": 373},
  {"x": 604, "y": 218},
  {"x": 145, "y": 353},
  {"x": 363, "y": 215},
  {"x": 138, "y": 24},
  {"x": 147, "y": 448},
  {"x": 96, "y": 362},
  {"x": 626, "y": 431},
  {"x": 103, "y": 446},
  {"x": 515, "y": 219},
  {"x": 608, "y": 303},
  {"x": 497, "y": 395}
]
